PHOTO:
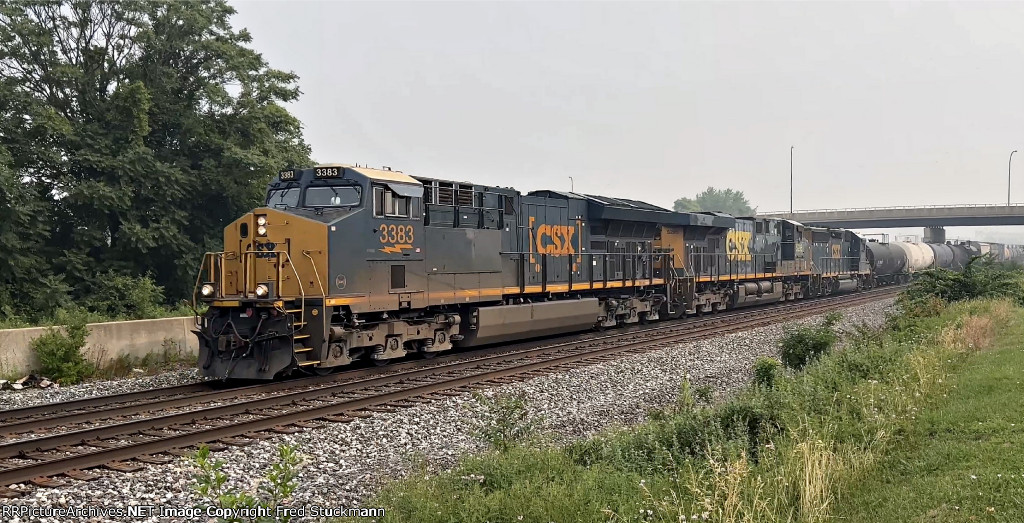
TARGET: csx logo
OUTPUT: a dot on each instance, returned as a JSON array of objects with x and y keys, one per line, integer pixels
[
  {"x": 737, "y": 245},
  {"x": 836, "y": 251},
  {"x": 555, "y": 239}
]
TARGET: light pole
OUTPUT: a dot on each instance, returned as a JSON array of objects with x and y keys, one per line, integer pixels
[
  {"x": 790, "y": 180},
  {"x": 1008, "y": 171}
]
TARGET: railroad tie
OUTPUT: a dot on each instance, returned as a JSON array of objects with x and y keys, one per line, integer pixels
[
  {"x": 124, "y": 466},
  {"x": 47, "y": 482},
  {"x": 258, "y": 435},
  {"x": 237, "y": 442},
  {"x": 155, "y": 459},
  {"x": 9, "y": 493},
  {"x": 82, "y": 475},
  {"x": 339, "y": 419}
]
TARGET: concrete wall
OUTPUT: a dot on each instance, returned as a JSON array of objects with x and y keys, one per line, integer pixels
[{"x": 106, "y": 341}]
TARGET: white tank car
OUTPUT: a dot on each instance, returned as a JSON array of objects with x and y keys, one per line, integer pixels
[
  {"x": 927, "y": 253},
  {"x": 917, "y": 260}
]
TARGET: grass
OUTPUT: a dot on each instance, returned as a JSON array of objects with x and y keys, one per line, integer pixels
[
  {"x": 803, "y": 446},
  {"x": 961, "y": 459}
]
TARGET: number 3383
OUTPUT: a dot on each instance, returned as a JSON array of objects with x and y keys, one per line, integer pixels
[{"x": 396, "y": 233}]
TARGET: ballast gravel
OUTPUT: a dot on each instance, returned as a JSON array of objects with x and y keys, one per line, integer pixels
[
  {"x": 346, "y": 463},
  {"x": 16, "y": 399}
]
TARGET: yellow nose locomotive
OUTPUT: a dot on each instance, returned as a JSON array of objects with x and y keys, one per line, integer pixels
[{"x": 347, "y": 263}]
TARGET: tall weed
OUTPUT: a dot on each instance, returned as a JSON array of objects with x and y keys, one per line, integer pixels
[{"x": 60, "y": 352}]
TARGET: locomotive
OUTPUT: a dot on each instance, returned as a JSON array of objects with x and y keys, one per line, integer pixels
[{"x": 347, "y": 263}]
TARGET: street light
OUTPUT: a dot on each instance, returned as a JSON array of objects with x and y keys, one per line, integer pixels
[
  {"x": 790, "y": 180},
  {"x": 1008, "y": 171}
]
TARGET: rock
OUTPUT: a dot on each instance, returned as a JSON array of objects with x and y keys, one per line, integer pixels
[{"x": 348, "y": 462}]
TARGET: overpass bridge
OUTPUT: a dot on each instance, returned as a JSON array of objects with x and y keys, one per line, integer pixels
[{"x": 932, "y": 216}]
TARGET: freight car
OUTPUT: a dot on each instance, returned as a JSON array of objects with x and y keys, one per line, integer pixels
[
  {"x": 897, "y": 262},
  {"x": 348, "y": 263}
]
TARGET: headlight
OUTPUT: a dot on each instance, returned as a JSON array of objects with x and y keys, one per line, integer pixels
[
  {"x": 261, "y": 220},
  {"x": 206, "y": 290},
  {"x": 261, "y": 230},
  {"x": 262, "y": 290}
]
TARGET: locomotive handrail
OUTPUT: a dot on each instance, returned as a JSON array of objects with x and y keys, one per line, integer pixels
[
  {"x": 634, "y": 275},
  {"x": 716, "y": 270},
  {"x": 199, "y": 276}
]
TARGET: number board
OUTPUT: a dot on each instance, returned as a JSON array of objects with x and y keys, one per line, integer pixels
[
  {"x": 286, "y": 175},
  {"x": 327, "y": 172}
]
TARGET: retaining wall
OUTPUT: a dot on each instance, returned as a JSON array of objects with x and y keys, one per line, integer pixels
[{"x": 106, "y": 342}]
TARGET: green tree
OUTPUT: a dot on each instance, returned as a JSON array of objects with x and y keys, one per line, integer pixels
[
  {"x": 721, "y": 200},
  {"x": 144, "y": 126},
  {"x": 27, "y": 288}
]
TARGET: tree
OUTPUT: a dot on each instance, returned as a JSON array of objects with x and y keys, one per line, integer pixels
[
  {"x": 144, "y": 127},
  {"x": 721, "y": 200}
]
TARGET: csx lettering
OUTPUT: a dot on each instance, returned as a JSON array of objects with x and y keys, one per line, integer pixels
[
  {"x": 555, "y": 239},
  {"x": 737, "y": 245}
]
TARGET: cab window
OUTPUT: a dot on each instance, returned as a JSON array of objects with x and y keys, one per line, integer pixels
[
  {"x": 283, "y": 197},
  {"x": 332, "y": 196},
  {"x": 387, "y": 203}
]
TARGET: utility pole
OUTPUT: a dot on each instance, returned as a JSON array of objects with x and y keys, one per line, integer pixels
[
  {"x": 571, "y": 187},
  {"x": 1009, "y": 166},
  {"x": 791, "y": 180}
]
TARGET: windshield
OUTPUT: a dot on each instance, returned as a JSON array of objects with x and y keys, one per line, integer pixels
[
  {"x": 332, "y": 196},
  {"x": 283, "y": 198}
]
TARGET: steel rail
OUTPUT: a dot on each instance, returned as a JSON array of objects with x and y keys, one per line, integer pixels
[
  {"x": 50, "y": 415},
  {"x": 302, "y": 408}
]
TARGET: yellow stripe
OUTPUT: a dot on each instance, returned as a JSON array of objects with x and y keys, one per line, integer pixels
[
  {"x": 238, "y": 303},
  {"x": 333, "y": 302}
]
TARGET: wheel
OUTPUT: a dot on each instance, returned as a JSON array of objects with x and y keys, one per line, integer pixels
[
  {"x": 381, "y": 363},
  {"x": 322, "y": 371},
  {"x": 428, "y": 355}
]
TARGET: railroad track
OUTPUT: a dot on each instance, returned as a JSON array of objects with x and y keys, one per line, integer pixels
[{"x": 242, "y": 415}]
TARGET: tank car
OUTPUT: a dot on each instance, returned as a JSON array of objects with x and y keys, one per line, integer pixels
[
  {"x": 943, "y": 255},
  {"x": 888, "y": 262},
  {"x": 962, "y": 254}
]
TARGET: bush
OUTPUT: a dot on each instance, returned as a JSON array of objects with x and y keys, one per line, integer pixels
[
  {"x": 506, "y": 420},
  {"x": 123, "y": 296},
  {"x": 981, "y": 278},
  {"x": 766, "y": 371},
  {"x": 806, "y": 343},
  {"x": 60, "y": 355},
  {"x": 273, "y": 490}
]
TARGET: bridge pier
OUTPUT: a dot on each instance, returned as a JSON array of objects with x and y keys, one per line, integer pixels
[{"x": 934, "y": 235}]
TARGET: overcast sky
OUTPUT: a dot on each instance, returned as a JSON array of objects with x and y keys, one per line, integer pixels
[{"x": 885, "y": 104}]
